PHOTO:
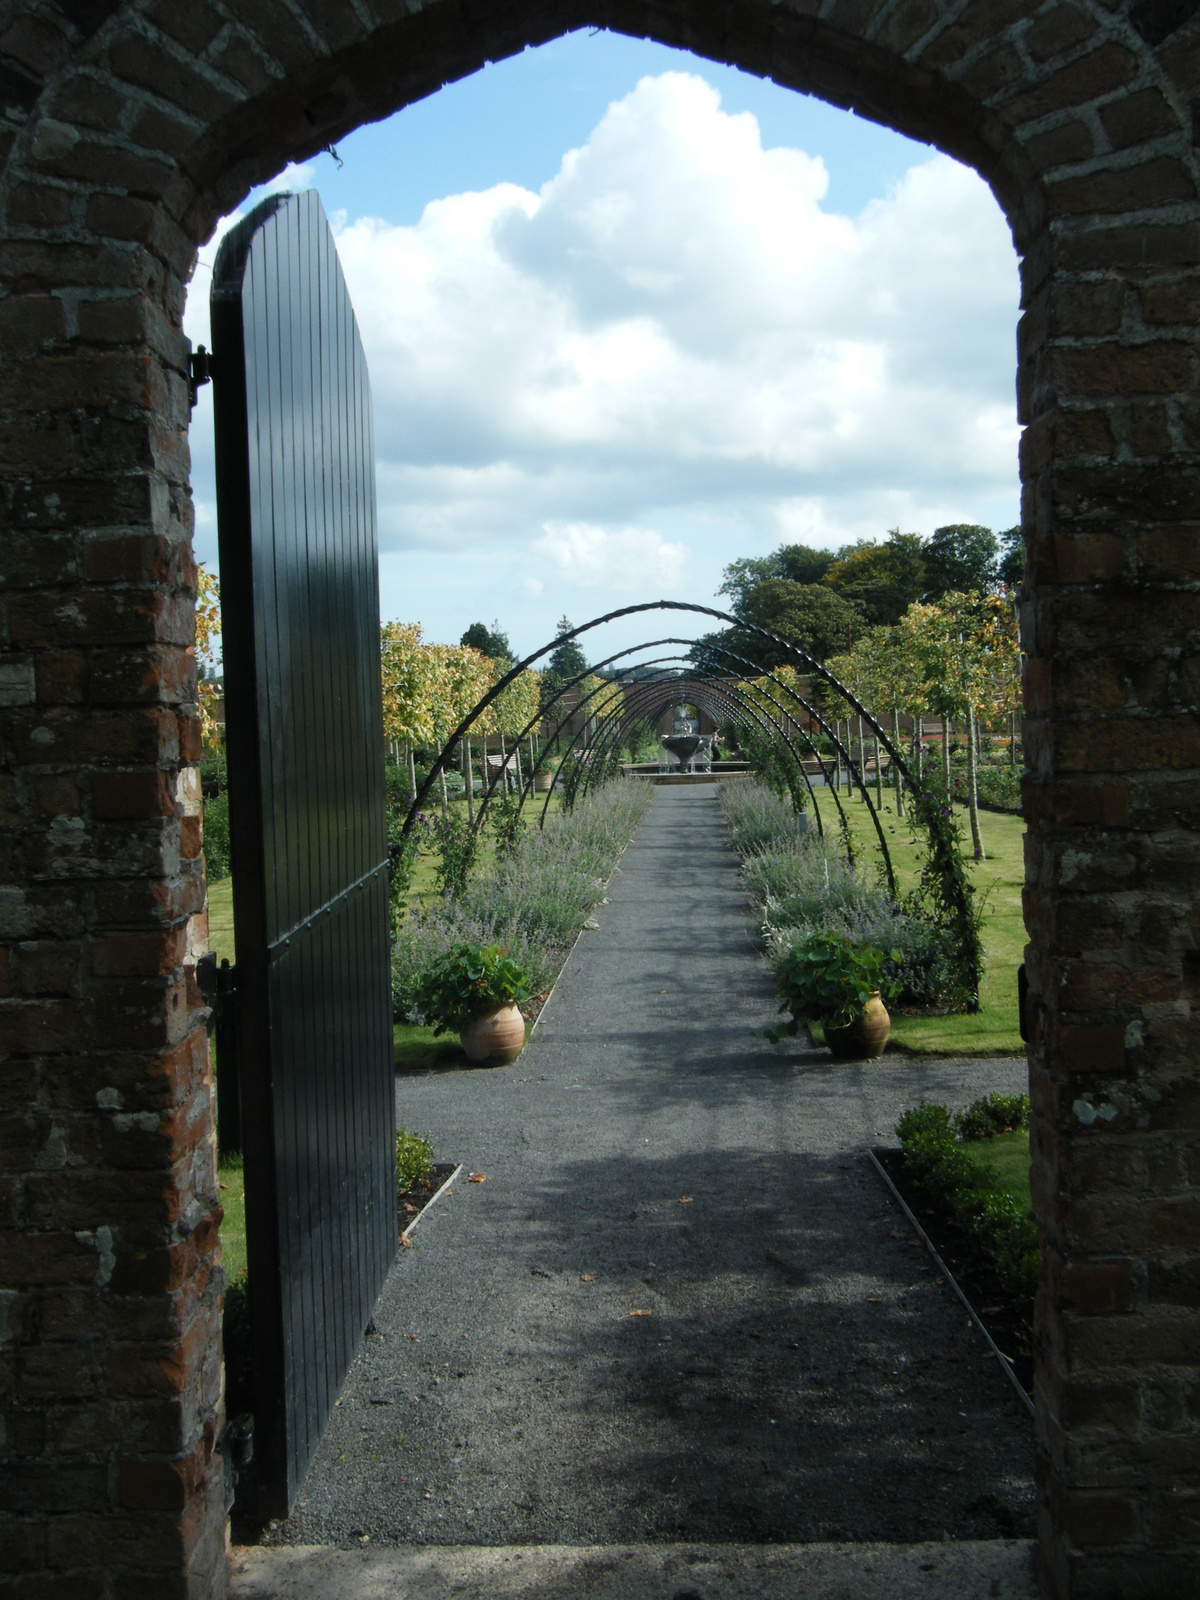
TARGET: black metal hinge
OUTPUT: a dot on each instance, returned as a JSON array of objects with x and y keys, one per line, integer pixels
[{"x": 199, "y": 372}]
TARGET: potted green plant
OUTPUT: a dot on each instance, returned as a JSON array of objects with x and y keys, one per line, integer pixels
[
  {"x": 833, "y": 980},
  {"x": 475, "y": 990}
]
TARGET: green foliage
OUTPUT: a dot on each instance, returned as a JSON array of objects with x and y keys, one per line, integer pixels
[
  {"x": 457, "y": 845},
  {"x": 414, "y": 1158},
  {"x": 566, "y": 662},
  {"x": 827, "y": 979},
  {"x": 993, "y": 1115},
  {"x": 997, "y": 787},
  {"x": 945, "y": 895},
  {"x": 798, "y": 562},
  {"x": 775, "y": 765},
  {"x": 882, "y": 579},
  {"x": 806, "y": 614},
  {"x": 1011, "y": 569},
  {"x": 490, "y": 642},
  {"x": 216, "y": 837},
  {"x": 507, "y": 822},
  {"x": 960, "y": 559},
  {"x": 991, "y": 1218},
  {"x": 468, "y": 980}
]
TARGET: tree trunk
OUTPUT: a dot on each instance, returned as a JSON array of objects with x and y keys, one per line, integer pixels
[
  {"x": 1012, "y": 738},
  {"x": 946, "y": 755},
  {"x": 897, "y": 779},
  {"x": 412, "y": 774},
  {"x": 972, "y": 788},
  {"x": 469, "y": 780},
  {"x": 878, "y": 775},
  {"x": 503, "y": 764},
  {"x": 837, "y": 734},
  {"x": 520, "y": 781},
  {"x": 445, "y": 796}
]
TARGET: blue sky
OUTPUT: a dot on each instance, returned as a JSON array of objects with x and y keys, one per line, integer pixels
[{"x": 732, "y": 315}]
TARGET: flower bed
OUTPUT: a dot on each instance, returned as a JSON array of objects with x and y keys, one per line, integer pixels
[
  {"x": 802, "y": 885},
  {"x": 532, "y": 902}
]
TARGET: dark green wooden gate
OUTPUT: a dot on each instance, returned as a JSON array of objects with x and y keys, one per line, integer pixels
[{"x": 300, "y": 603}]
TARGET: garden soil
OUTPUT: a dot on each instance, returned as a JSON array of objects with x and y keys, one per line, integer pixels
[{"x": 681, "y": 1307}]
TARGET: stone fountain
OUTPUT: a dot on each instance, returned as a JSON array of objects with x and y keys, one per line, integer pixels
[{"x": 682, "y": 745}]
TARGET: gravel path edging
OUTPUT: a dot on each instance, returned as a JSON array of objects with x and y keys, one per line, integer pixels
[
  {"x": 430, "y": 1203},
  {"x": 1000, "y": 1569}
]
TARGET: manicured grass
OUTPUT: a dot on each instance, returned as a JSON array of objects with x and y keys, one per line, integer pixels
[
  {"x": 992, "y": 1030},
  {"x": 233, "y": 1228},
  {"x": 1007, "y": 1158},
  {"x": 220, "y": 920}
]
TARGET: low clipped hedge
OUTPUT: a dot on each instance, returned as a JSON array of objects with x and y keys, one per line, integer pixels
[{"x": 996, "y": 1225}]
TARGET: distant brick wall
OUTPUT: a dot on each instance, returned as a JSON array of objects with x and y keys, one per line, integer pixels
[{"x": 128, "y": 130}]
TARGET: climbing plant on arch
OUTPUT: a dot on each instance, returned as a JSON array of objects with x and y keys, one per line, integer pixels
[{"x": 944, "y": 877}]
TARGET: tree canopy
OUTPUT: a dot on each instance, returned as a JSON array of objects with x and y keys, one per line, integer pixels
[
  {"x": 566, "y": 662},
  {"x": 490, "y": 642},
  {"x": 810, "y": 615},
  {"x": 883, "y": 579},
  {"x": 961, "y": 559}
]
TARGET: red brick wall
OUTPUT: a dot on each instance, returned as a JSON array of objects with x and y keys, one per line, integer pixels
[{"x": 129, "y": 128}]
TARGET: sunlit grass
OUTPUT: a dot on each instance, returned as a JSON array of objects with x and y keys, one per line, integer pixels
[
  {"x": 1007, "y": 1159},
  {"x": 992, "y": 1030}
]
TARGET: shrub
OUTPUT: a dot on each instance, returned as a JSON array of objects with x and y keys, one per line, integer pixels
[
  {"x": 991, "y": 1218},
  {"x": 993, "y": 1115},
  {"x": 414, "y": 1158},
  {"x": 827, "y": 979},
  {"x": 759, "y": 819},
  {"x": 534, "y": 901},
  {"x": 216, "y": 837},
  {"x": 468, "y": 980}
]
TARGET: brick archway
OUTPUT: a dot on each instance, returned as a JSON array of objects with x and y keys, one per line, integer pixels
[{"x": 129, "y": 129}]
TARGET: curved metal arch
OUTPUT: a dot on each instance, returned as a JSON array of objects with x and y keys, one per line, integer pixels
[
  {"x": 757, "y": 712},
  {"x": 743, "y": 704},
  {"x": 760, "y": 671},
  {"x": 514, "y": 672}
]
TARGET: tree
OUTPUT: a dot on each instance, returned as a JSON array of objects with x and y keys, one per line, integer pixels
[
  {"x": 1012, "y": 556},
  {"x": 489, "y": 642},
  {"x": 799, "y": 563},
  {"x": 961, "y": 559},
  {"x": 884, "y": 579},
  {"x": 807, "y": 614},
  {"x": 567, "y": 662}
]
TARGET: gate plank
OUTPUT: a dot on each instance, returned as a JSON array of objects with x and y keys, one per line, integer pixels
[{"x": 300, "y": 603}]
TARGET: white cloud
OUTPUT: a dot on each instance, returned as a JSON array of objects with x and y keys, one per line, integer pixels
[
  {"x": 623, "y": 561},
  {"x": 674, "y": 335}
]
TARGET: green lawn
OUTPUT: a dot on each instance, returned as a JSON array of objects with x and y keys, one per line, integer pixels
[
  {"x": 1007, "y": 1158},
  {"x": 220, "y": 920},
  {"x": 992, "y": 1030},
  {"x": 233, "y": 1228}
]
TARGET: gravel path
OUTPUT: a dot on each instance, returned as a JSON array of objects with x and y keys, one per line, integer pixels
[{"x": 681, "y": 1307}]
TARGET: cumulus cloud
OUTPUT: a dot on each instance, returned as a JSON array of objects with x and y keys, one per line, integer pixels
[
  {"x": 675, "y": 335},
  {"x": 623, "y": 561}
]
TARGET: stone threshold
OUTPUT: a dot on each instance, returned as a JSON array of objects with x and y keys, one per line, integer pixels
[{"x": 1000, "y": 1569}]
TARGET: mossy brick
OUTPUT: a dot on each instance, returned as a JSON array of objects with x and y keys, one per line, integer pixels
[
  {"x": 170, "y": 76},
  {"x": 1054, "y": 32},
  {"x": 976, "y": 22},
  {"x": 1101, "y": 71},
  {"x": 1135, "y": 118}
]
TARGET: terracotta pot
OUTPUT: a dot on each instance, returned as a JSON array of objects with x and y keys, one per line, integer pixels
[
  {"x": 542, "y": 781},
  {"x": 865, "y": 1037},
  {"x": 494, "y": 1035}
]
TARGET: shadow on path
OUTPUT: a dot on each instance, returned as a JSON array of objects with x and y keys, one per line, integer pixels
[{"x": 800, "y": 1376}]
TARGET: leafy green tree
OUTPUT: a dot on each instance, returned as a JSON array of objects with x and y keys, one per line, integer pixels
[
  {"x": 961, "y": 559},
  {"x": 820, "y": 621},
  {"x": 1012, "y": 556},
  {"x": 884, "y": 579},
  {"x": 798, "y": 563},
  {"x": 490, "y": 642}
]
